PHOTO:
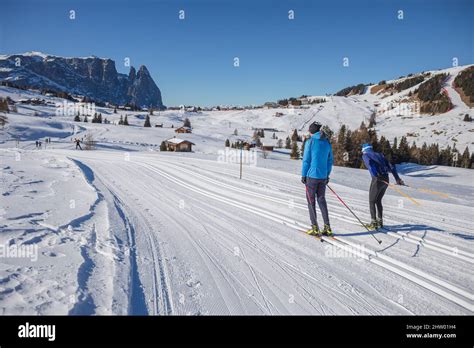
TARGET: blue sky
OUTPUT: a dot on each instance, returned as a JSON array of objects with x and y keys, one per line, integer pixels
[{"x": 191, "y": 60}]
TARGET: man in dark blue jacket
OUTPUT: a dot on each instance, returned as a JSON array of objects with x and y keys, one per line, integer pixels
[
  {"x": 379, "y": 168},
  {"x": 317, "y": 166}
]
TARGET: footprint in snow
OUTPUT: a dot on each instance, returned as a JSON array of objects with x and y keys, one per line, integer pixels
[{"x": 53, "y": 254}]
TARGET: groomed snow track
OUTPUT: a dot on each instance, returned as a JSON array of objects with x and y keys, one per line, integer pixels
[{"x": 438, "y": 286}]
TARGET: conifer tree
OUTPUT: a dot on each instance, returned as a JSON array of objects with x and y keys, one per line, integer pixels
[
  {"x": 295, "y": 153},
  {"x": 372, "y": 121},
  {"x": 466, "y": 159},
  {"x": 403, "y": 150},
  {"x": 294, "y": 136},
  {"x": 147, "y": 121},
  {"x": 338, "y": 146}
]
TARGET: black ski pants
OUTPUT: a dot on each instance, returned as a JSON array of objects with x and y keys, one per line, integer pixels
[{"x": 378, "y": 186}]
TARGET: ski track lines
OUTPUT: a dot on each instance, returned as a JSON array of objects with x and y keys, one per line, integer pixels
[
  {"x": 206, "y": 255},
  {"x": 144, "y": 193},
  {"x": 298, "y": 226},
  {"x": 450, "y": 251},
  {"x": 291, "y": 270},
  {"x": 442, "y": 288},
  {"x": 255, "y": 179},
  {"x": 162, "y": 293},
  {"x": 162, "y": 299},
  {"x": 443, "y": 248},
  {"x": 415, "y": 240},
  {"x": 257, "y": 275},
  {"x": 251, "y": 266}
]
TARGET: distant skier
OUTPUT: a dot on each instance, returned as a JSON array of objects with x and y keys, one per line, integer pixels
[
  {"x": 379, "y": 168},
  {"x": 317, "y": 165},
  {"x": 36, "y": 143},
  {"x": 78, "y": 143}
]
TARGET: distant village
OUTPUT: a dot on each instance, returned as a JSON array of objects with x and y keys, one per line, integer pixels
[{"x": 265, "y": 143}]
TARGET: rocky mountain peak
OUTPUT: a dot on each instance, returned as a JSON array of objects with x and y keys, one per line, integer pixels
[
  {"x": 93, "y": 77},
  {"x": 132, "y": 74}
]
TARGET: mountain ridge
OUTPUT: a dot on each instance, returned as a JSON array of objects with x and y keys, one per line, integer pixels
[{"x": 92, "y": 77}]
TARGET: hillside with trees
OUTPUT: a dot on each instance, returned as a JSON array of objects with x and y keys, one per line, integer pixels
[
  {"x": 357, "y": 89},
  {"x": 408, "y": 83},
  {"x": 433, "y": 99},
  {"x": 464, "y": 83},
  {"x": 347, "y": 150}
]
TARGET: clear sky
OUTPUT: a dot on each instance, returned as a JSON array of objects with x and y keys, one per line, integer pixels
[{"x": 192, "y": 60}]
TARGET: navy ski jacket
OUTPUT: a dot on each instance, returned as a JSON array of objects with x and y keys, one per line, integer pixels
[
  {"x": 378, "y": 165},
  {"x": 317, "y": 157}
]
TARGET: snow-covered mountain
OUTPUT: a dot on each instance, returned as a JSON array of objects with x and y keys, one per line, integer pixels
[
  {"x": 396, "y": 116},
  {"x": 96, "y": 78}
]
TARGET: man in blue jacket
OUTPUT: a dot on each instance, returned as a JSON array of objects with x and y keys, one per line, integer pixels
[
  {"x": 379, "y": 168},
  {"x": 317, "y": 165}
]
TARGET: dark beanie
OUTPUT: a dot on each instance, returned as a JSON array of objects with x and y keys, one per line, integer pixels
[{"x": 314, "y": 127}]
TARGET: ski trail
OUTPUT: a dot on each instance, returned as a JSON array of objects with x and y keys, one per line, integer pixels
[
  {"x": 299, "y": 226},
  {"x": 257, "y": 283},
  {"x": 217, "y": 263},
  {"x": 251, "y": 245},
  {"x": 290, "y": 190},
  {"x": 450, "y": 251},
  {"x": 162, "y": 299},
  {"x": 338, "y": 208},
  {"x": 120, "y": 259},
  {"x": 328, "y": 290}
]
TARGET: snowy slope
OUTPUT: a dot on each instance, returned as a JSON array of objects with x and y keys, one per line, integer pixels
[
  {"x": 211, "y": 128},
  {"x": 185, "y": 236},
  {"x": 446, "y": 129},
  {"x": 126, "y": 229}
]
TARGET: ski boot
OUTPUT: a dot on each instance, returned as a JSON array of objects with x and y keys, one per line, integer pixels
[
  {"x": 379, "y": 223},
  {"x": 314, "y": 231},
  {"x": 327, "y": 231},
  {"x": 373, "y": 225}
]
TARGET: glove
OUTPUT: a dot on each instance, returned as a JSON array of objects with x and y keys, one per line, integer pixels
[
  {"x": 327, "y": 181},
  {"x": 400, "y": 182},
  {"x": 303, "y": 179}
]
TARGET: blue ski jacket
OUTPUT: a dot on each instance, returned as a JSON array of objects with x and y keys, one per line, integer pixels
[
  {"x": 317, "y": 157},
  {"x": 378, "y": 165}
]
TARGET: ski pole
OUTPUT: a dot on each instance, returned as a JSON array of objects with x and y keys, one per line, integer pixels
[
  {"x": 401, "y": 192},
  {"x": 340, "y": 199}
]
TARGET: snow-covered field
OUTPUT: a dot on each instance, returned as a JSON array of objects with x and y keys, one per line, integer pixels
[
  {"x": 170, "y": 234},
  {"x": 127, "y": 229}
]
